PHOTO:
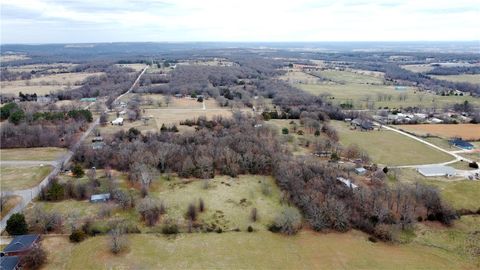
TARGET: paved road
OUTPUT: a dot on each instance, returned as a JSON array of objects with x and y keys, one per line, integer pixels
[
  {"x": 454, "y": 154},
  {"x": 29, "y": 194}
]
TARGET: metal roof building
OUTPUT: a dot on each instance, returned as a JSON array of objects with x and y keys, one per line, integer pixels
[
  {"x": 436, "y": 170},
  {"x": 9, "y": 263}
]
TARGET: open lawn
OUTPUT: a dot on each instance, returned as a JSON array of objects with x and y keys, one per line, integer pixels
[
  {"x": 228, "y": 201},
  {"x": 465, "y": 131},
  {"x": 45, "y": 84},
  {"x": 418, "y": 68},
  {"x": 174, "y": 116},
  {"x": 460, "y": 193},
  {"x": 38, "y": 153},
  {"x": 136, "y": 67},
  {"x": 469, "y": 78},
  {"x": 388, "y": 147},
  {"x": 22, "y": 177},
  {"x": 242, "y": 250},
  {"x": 349, "y": 87}
]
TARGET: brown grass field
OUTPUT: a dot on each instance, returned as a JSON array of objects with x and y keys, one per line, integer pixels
[
  {"x": 45, "y": 84},
  {"x": 465, "y": 131}
]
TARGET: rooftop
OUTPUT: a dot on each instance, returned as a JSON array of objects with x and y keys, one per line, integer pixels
[
  {"x": 436, "y": 170},
  {"x": 8, "y": 262},
  {"x": 21, "y": 242}
]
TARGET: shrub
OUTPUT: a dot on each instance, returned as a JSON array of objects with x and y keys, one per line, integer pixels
[
  {"x": 77, "y": 171},
  {"x": 191, "y": 212},
  {"x": 288, "y": 221},
  {"x": 385, "y": 170},
  {"x": 254, "y": 215},
  {"x": 285, "y": 131},
  {"x": 16, "y": 224},
  {"x": 150, "y": 210},
  {"x": 77, "y": 236},
  {"x": 250, "y": 229},
  {"x": 170, "y": 228},
  {"x": 383, "y": 232},
  {"x": 473, "y": 165},
  {"x": 56, "y": 191},
  {"x": 201, "y": 205},
  {"x": 34, "y": 259},
  {"x": 118, "y": 241}
]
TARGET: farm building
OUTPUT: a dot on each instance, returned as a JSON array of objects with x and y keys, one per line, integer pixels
[
  {"x": 21, "y": 245},
  {"x": 436, "y": 170},
  {"x": 100, "y": 197},
  {"x": 360, "y": 171},
  {"x": 118, "y": 121},
  {"x": 88, "y": 99},
  {"x": 347, "y": 182},
  {"x": 9, "y": 263},
  {"x": 462, "y": 144},
  {"x": 362, "y": 124}
]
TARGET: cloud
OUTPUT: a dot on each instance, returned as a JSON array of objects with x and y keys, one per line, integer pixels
[{"x": 245, "y": 20}]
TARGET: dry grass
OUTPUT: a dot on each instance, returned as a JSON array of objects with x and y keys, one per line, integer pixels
[
  {"x": 39, "y": 153},
  {"x": 22, "y": 177},
  {"x": 259, "y": 250},
  {"x": 418, "y": 68},
  {"x": 136, "y": 67},
  {"x": 12, "y": 201},
  {"x": 13, "y": 57},
  {"x": 54, "y": 67},
  {"x": 45, "y": 84},
  {"x": 469, "y": 78},
  {"x": 465, "y": 131}
]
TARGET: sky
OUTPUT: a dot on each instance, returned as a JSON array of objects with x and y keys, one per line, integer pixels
[{"x": 75, "y": 21}]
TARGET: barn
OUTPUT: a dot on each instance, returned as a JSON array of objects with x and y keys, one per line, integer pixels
[{"x": 436, "y": 170}]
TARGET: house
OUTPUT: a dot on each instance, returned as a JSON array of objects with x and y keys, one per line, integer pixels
[
  {"x": 21, "y": 245},
  {"x": 462, "y": 144},
  {"x": 360, "y": 171},
  {"x": 9, "y": 263},
  {"x": 347, "y": 182},
  {"x": 436, "y": 170},
  {"x": 363, "y": 124},
  {"x": 118, "y": 121},
  {"x": 100, "y": 197}
]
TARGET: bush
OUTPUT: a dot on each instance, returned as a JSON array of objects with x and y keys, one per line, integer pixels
[
  {"x": 118, "y": 241},
  {"x": 77, "y": 171},
  {"x": 191, "y": 212},
  {"x": 56, "y": 191},
  {"x": 288, "y": 221},
  {"x": 170, "y": 228},
  {"x": 201, "y": 205},
  {"x": 16, "y": 224},
  {"x": 250, "y": 229},
  {"x": 34, "y": 259},
  {"x": 285, "y": 131},
  {"x": 254, "y": 215},
  {"x": 383, "y": 232},
  {"x": 473, "y": 165},
  {"x": 77, "y": 236}
]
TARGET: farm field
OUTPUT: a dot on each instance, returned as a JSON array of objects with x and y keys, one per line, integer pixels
[
  {"x": 418, "y": 68},
  {"x": 460, "y": 193},
  {"x": 228, "y": 201},
  {"x": 45, "y": 84},
  {"x": 136, "y": 67},
  {"x": 469, "y": 78},
  {"x": 465, "y": 131},
  {"x": 37, "y": 153},
  {"x": 22, "y": 177},
  {"x": 53, "y": 67},
  {"x": 347, "y": 89},
  {"x": 381, "y": 144},
  {"x": 242, "y": 250}
]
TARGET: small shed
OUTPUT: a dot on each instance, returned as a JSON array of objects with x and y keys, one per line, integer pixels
[
  {"x": 436, "y": 170},
  {"x": 100, "y": 197},
  {"x": 21, "y": 245},
  {"x": 9, "y": 263},
  {"x": 360, "y": 171}
]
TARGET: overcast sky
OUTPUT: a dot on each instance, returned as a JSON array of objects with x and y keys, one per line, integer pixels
[{"x": 69, "y": 21}]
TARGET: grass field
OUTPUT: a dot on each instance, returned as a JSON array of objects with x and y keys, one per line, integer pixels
[
  {"x": 11, "y": 202},
  {"x": 446, "y": 131},
  {"x": 136, "y": 67},
  {"x": 418, "y": 68},
  {"x": 45, "y": 84},
  {"x": 460, "y": 193},
  {"x": 350, "y": 87},
  {"x": 469, "y": 78},
  {"x": 53, "y": 67},
  {"x": 22, "y": 177},
  {"x": 228, "y": 201},
  {"x": 39, "y": 153},
  {"x": 388, "y": 147},
  {"x": 242, "y": 250}
]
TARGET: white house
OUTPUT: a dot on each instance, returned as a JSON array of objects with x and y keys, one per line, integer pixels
[
  {"x": 118, "y": 121},
  {"x": 347, "y": 182}
]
